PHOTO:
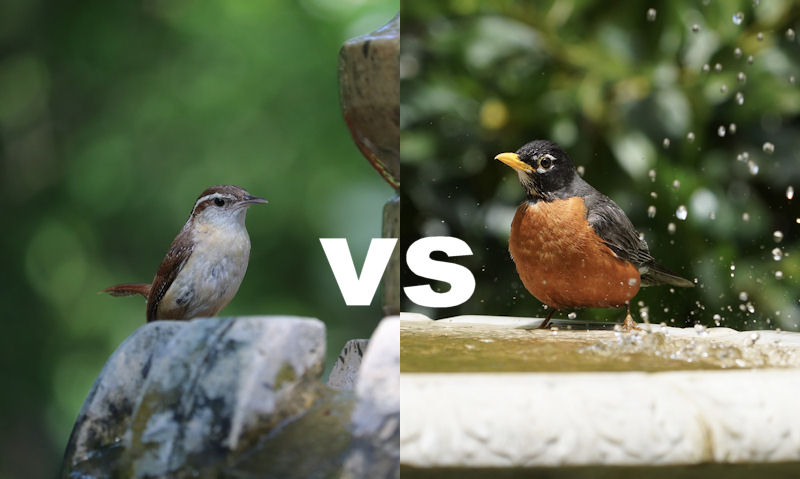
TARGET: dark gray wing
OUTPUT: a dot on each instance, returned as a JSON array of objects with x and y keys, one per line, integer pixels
[{"x": 617, "y": 232}]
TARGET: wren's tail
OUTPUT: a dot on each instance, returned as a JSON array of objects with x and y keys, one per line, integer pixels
[
  {"x": 657, "y": 274},
  {"x": 128, "y": 289}
]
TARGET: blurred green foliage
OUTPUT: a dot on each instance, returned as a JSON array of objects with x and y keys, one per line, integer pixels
[
  {"x": 622, "y": 91},
  {"x": 114, "y": 116}
]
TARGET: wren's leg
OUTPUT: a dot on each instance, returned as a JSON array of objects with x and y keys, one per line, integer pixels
[
  {"x": 547, "y": 319},
  {"x": 629, "y": 323}
]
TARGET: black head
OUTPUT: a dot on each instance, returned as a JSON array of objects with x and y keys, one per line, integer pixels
[{"x": 544, "y": 169}]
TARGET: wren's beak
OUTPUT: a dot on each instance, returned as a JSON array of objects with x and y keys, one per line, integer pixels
[
  {"x": 512, "y": 160},
  {"x": 253, "y": 200}
]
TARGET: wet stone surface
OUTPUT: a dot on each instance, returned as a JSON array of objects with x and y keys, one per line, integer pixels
[{"x": 488, "y": 344}]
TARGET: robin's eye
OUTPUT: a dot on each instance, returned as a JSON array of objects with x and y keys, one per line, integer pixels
[
  {"x": 545, "y": 163},
  {"x": 219, "y": 202}
]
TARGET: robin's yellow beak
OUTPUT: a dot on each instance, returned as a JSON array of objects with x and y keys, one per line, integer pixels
[{"x": 512, "y": 160}]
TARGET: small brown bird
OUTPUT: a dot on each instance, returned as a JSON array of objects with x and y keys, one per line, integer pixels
[
  {"x": 205, "y": 263},
  {"x": 573, "y": 246}
]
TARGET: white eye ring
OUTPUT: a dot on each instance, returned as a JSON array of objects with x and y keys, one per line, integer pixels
[{"x": 546, "y": 166}]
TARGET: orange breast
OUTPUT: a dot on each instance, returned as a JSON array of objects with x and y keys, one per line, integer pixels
[{"x": 563, "y": 263}]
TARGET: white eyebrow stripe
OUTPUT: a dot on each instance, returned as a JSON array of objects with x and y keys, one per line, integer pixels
[{"x": 212, "y": 196}]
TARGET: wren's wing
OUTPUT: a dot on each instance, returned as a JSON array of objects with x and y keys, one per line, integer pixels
[
  {"x": 616, "y": 230},
  {"x": 179, "y": 252}
]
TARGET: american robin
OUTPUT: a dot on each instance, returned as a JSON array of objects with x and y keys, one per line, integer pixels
[{"x": 573, "y": 246}]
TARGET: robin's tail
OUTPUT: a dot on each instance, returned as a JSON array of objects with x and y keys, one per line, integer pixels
[
  {"x": 128, "y": 289},
  {"x": 657, "y": 274}
]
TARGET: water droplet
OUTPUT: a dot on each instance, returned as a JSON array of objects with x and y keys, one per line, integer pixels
[
  {"x": 723, "y": 89},
  {"x": 554, "y": 330},
  {"x": 572, "y": 315},
  {"x": 760, "y": 36},
  {"x": 739, "y": 98},
  {"x": 652, "y": 175},
  {"x": 695, "y": 28},
  {"x": 718, "y": 67},
  {"x": 792, "y": 79},
  {"x": 738, "y": 17},
  {"x": 790, "y": 34},
  {"x": 706, "y": 68},
  {"x": 721, "y": 131},
  {"x": 681, "y": 212},
  {"x": 768, "y": 147},
  {"x": 741, "y": 77},
  {"x": 777, "y": 235},
  {"x": 777, "y": 254},
  {"x": 653, "y": 195},
  {"x": 779, "y": 274},
  {"x": 717, "y": 319},
  {"x": 632, "y": 281},
  {"x": 700, "y": 330},
  {"x": 671, "y": 228},
  {"x": 676, "y": 184},
  {"x": 665, "y": 143},
  {"x": 789, "y": 192},
  {"x": 754, "y": 337},
  {"x": 732, "y": 128},
  {"x": 745, "y": 216},
  {"x": 581, "y": 170},
  {"x": 712, "y": 215},
  {"x": 752, "y": 167},
  {"x": 651, "y": 211},
  {"x": 743, "y": 296},
  {"x": 690, "y": 136},
  {"x": 750, "y": 60},
  {"x": 651, "y": 14},
  {"x": 737, "y": 52}
]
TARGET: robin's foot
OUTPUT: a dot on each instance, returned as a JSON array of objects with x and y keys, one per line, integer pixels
[
  {"x": 546, "y": 320},
  {"x": 629, "y": 324}
]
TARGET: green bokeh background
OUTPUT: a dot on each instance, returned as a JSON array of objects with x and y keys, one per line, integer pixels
[
  {"x": 114, "y": 116},
  {"x": 482, "y": 77}
]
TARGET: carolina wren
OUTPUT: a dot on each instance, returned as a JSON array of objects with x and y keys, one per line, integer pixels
[{"x": 205, "y": 263}]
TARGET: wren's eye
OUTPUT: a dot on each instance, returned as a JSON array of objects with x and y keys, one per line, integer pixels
[
  {"x": 219, "y": 202},
  {"x": 546, "y": 162}
]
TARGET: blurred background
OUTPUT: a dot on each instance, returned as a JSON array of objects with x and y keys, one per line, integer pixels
[
  {"x": 114, "y": 116},
  {"x": 684, "y": 113}
]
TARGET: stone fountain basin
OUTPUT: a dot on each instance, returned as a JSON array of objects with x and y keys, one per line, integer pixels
[{"x": 489, "y": 392}]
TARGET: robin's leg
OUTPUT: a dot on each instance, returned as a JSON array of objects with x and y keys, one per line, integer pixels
[
  {"x": 629, "y": 323},
  {"x": 547, "y": 319}
]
